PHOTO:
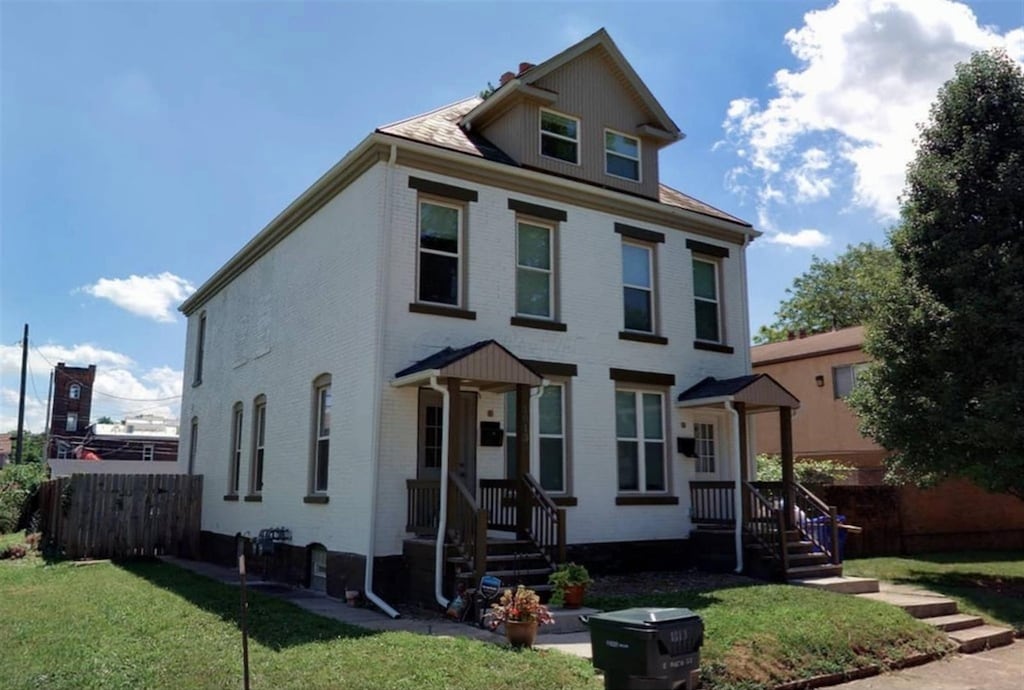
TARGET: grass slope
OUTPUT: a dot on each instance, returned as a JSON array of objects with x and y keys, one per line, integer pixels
[{"x": 986, "y": 583}]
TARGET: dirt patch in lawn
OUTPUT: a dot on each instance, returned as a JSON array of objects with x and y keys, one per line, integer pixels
[{"x": 1003, "y": 586}]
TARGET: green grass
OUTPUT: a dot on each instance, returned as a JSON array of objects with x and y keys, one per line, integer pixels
[
  {"x": 986, "y": 583},
  {"x": 761, "y": 636}
]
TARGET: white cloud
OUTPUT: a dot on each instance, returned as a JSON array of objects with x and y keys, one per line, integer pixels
[
  {"x": 802, "y": 239},
  {"x": 153, "y": 297},
  {"x": 869, "y": 71},
  {"x": 44, "y": 357}
]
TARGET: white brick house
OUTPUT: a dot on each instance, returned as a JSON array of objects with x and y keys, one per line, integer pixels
[{"x": 317, "y": 377}]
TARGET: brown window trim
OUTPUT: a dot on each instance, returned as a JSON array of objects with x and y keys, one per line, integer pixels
[
  {"x": 635, "y": 233},
  {"x": 541, "y": 324},
  {"x": 316, "y": 499},
  {"x": 713, "y": 347},
  {"x": 565, "y": 501},
  {"x": 643, "y": 338},
  {"x": 230, "y": 497},
  {"x": 441, "y": 189},
  {"x": 253, "y": 498},
  {"x": 545, "y": 212},
  {"x": 707, "y": 249},
  {"x": 440, "y": 310},
  {"x": 644, "y": 377},
  {"x": 551, "y": 368},
  {"x": 646, "y": 500}
]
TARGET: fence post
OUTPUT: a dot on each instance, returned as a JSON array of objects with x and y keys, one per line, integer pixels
[{"x": 834, "y": 523}]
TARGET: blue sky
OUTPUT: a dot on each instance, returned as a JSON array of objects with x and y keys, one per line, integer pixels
[{"x": 142, "y": 144}]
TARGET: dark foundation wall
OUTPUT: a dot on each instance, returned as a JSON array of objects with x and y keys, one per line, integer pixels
[{"x": 612, "y": 558}]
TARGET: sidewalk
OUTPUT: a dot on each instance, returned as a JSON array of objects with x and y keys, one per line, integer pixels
[
  {"x": 576, "y": 643},
  {"x": 997, "y": 669}
]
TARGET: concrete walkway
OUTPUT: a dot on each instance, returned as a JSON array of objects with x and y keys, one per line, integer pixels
[{"x": 997, "y": 669}]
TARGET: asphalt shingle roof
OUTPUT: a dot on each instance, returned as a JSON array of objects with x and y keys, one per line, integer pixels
[
  {"x": 442, "y": 358},
  {"x": 711, "y": 387}
]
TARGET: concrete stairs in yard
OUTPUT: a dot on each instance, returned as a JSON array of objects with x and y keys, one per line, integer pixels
[
  {"x": 514, "y": 562},
  {"x": 970, "y": 633}
]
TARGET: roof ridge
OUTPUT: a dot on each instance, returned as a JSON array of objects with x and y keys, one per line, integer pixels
[{"x": 426, "y": 114}]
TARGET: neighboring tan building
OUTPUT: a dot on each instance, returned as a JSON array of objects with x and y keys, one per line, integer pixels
[{"x": 820, "y": 371}]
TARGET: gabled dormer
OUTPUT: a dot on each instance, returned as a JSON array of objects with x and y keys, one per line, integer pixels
[{"x": 584, "y": 114}]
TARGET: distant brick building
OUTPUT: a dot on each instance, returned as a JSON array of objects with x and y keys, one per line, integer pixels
[{"x": 72, "y": 406}]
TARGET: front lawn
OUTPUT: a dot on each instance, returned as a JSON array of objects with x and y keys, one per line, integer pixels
[{"x": 987, "y": 583}]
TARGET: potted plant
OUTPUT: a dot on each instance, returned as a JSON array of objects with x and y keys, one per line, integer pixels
[
  {"x": 570, "y": 581},
  {"x": 521, "y": 612}
]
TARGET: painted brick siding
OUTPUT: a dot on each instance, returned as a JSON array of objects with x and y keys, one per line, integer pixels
[
  {"x": 303, "y": 309},
  {"x": 591, "y": 307}
]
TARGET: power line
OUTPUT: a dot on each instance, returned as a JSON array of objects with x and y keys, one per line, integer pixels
[{"x": 109, "y": 395}]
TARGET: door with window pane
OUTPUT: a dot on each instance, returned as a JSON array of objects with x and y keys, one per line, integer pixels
[{"x": 431, "y": 427}]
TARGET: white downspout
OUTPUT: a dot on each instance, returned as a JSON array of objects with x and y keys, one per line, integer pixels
[
  {"x": 442, "y": 519},
  {"x": 382, "y": 301},
  {"x": 737, "y": 507}
]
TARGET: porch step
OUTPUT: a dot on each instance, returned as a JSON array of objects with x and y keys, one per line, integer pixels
[
  {"x": 917, "y": 605},
  {"x": 802, "y": 559},
  {"x": 510, "y": 574},
  {"x": 808, "y": 572},
  {"x": 801, "y": 546},
  {"x": 841, "y": 584},
  {"x": 501, "y": 558},
  {"x": 954, "y": 621},
  {"x": 982, "y": 637}
]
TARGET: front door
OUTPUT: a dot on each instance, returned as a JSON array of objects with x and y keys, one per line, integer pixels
[{"x": 431, "y": 419}]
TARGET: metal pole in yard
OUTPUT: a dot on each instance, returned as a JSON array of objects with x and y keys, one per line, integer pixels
[
  {"x": 245, "y": 606},
  {"x": 21, "y": 399}
]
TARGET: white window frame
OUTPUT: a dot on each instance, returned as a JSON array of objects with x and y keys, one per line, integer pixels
[
  {"x": 71, "y": 422},
  {"x": 856, "y": 370},
  {"x": 461, "y": 236},
  {"x": 551, "y": 272},
  {"x": 235, "y": 468},
  {"x": 323, "y": 397},
  {"x": 707, "y": 463},
  {"x": 536, "y": 435},
  {"x": 74, "y": 391},
  {"x": 649, "y": 248},
  {"x": 608, "y": 152},
  {"x": 641, "y": 441},
  {"x": 259, "y": 438},
  {"x": 147, "y": 452},
  {"x": 717, "y": 301},
  {"x": 544, "y": 133}
]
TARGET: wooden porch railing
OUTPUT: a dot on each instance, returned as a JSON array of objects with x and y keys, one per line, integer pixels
[
  {"x": 422, "y": 506},
  {"x": 467, "y": 525},
  {"x": 547, "y": 523},
  {"x": 498, "y": 498},
  {"x": 767, "y": 525},
  {"x": 712, "y": 503},
  {"x": 816, "y": 521}
]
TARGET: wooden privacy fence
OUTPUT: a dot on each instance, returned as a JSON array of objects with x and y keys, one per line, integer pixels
[{"x": 121, "y": 515}]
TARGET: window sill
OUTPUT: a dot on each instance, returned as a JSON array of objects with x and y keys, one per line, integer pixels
[
  {"x": 646, "y": 500},
  {"x": 643, "y": 338},
  {"x": 253, "y": 498},
  {"x": 542, "y": 324},
  {"x": 316, "y": 498},
  {"x": 712, "y": 347},
  {"x": 565, "y": 501},
  {"x": 441, "y": 310},
  {"x": 230, "y": 497}
]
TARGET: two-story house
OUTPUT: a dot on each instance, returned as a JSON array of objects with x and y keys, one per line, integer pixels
[{"x": 477, "y": 323}]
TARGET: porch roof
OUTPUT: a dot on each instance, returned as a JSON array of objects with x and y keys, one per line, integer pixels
[
  {"x": 485, "y": 361},
  {"x": 754, "y": 390}
]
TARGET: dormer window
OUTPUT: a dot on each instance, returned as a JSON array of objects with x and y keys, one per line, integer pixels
[
  {"x": 560, "y": 137},
  {"x": 621, "y": 155}
]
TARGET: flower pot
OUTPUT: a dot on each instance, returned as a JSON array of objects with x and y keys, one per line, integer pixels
[
  {"x": 572, "y": 596},
  {"x": 521, "y": 633}
]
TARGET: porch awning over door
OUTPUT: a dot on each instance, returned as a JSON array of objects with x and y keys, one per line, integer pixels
[
  {"x": 486, "y": 362},
  {"x": 754, "y": 390}
]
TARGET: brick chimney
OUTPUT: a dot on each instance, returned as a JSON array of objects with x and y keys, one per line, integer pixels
[
  {"x": 790, "y": 335},
  {"x": 505, "y": 78},
  {"x": 523, "y": 66}
]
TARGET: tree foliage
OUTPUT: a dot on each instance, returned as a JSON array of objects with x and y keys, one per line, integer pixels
[
  {"x": 834, "y": 294},
  {"x": 947, "y": 391}
]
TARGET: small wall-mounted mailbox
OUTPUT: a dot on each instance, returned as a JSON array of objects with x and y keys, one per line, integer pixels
[
  {"x": 686, "y": 446},
  {"x": 491, "y": 434}
]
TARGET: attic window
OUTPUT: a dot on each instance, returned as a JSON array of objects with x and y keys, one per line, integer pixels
[
  {"x": 559, "y": 137},
  {"x": 621, "y": 155}
]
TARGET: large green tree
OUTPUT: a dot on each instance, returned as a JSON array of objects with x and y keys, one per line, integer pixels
[
  {"x": 947, "y": 391},
  {"x": 834, "y": 294}
]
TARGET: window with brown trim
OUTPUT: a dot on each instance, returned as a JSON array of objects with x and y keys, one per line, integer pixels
[
  {"x": 322, "y": 403},
  {"x": 259, "y": 438},
  {"x": 235, "y": 468},
  {"x": 640, "y": 440}
]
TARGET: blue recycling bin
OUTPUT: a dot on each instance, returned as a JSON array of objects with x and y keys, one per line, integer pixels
[{"x": 821, "y": 531}]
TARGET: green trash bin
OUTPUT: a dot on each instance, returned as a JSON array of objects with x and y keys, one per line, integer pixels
[{"x": 647, "y": 648}]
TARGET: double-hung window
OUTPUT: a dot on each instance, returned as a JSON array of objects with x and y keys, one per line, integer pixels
[
  {"x": 549, "y": 450},
  {"x": 706, "y": 304},
  {"x": 535, "y": 270},
  {"x": 844, "y": 378},
  {"x": 704, "y": 445},
  {"x": 640, "y": 440},
  {"x": 71, "y": 423},
  {"x": 559, "y": 136},
  {"x": 147, "y": 452},
  {"x": 638, "y": 287},
  {"x": 440, "y": 253},
  {"x": 74, "y": 391},
  {"x": 621, "y": 155},
  {"x": 259, "y": 435},
  {"x": 322, "y": 434},
  {"x": 236, "y": 449}
]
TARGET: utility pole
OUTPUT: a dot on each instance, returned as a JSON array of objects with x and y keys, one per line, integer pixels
[{"x": 21, "y": 398}]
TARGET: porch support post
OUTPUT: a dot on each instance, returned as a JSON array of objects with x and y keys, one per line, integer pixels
[
  {"x": 788, "y": 473},
  {"x": 741, "y": 412},
  {"x": 522, "y": 459},
  {"x": 454, "y": 443}
]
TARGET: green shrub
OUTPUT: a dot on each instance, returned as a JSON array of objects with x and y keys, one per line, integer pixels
[
  {"x": 18, "y": 484},
  {"x": 807, "y": 470}
]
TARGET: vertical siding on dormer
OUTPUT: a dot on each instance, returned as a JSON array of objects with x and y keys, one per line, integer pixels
[{"x": 592, "y": 89}]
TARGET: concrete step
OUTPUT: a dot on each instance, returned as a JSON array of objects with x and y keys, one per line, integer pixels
[
  {"x": 954, "y": 621},
  {"x": 917, "y": 605},
  {"x": 841, "y": 584},
  {"x": 982, "y": 637},
  {"x": 810, "y": 572}
]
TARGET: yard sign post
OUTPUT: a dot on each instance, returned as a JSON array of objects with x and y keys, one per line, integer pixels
[{"x": 245, "y": 606}]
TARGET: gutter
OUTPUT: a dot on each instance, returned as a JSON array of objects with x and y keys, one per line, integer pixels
[
  {"x": 442, "y": 518},
  {"x": 737, "y": 500},
  {"x": 377, "y": 395}
]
